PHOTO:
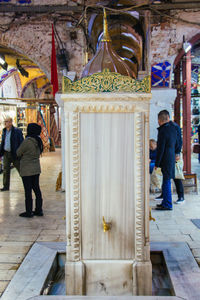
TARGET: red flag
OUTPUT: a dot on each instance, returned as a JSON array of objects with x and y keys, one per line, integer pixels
[{"x": 54, "y": 75}]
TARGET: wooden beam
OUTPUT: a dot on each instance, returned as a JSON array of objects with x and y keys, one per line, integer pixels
[
  {"x": 31, "y": 100},
  {"x": 40, "y": 9},
  {"x": 64, "y": 9},
  {"x": 174, "y": 6}
]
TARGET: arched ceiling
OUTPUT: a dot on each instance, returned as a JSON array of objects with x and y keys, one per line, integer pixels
[{"x": 35, "y": 74}]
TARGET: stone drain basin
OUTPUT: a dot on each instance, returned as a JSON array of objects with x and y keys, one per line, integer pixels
[
  {"x": 161, "y": 284},
  {"x": 175, "y": 273}
]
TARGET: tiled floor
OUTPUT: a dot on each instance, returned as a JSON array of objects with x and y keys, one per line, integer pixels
[{"x": 18, "y": 234}]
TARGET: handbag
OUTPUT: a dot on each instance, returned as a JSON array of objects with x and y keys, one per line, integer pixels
[
  {"x": 196, "y": 148},
  {"x": 157, "y": 178},
  {"x": 179, "y": 169}
]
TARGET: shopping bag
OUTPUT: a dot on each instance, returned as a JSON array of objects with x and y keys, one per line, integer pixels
[
  {"x": 179, "y": 169},
  {"x": 157, "y": 178}
]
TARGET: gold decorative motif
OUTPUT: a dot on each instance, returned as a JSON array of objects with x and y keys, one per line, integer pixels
[
  {"x": 106, "y": 36},
  {"x": 107, "y": 81}
]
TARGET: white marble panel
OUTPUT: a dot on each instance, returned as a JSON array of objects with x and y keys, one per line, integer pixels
[
  {"x": 107, "y": 184},
  {"x": 109, "y": 278}
]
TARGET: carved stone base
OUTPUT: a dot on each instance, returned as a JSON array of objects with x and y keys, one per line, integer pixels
[
  {"x": 114, "y": 277},
  {"x": 143, "y": 272},
  {"x": 75, "y": 278}
]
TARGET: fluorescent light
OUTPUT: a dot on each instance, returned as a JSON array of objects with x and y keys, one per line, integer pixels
[
  {"x": 2, "y": 61},
  {"x": 187, "y": 46},
  {"x": 157, "y": 2}
]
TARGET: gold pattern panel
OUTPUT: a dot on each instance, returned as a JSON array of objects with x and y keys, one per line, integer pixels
[{"x": 107, "y": 81}]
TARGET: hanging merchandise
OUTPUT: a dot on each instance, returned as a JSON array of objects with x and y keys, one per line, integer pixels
[
  {"x": 195, "y": 110},
  {"x": 44, "y": 133},
  {"x": 21, "y": 119},
  {"x": 198, "y": 82}
]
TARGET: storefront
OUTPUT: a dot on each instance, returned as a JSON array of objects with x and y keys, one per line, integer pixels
[{"x": 23, "y": 113}]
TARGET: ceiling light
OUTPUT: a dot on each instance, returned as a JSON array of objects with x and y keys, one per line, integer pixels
[
  {"x": 186, "y": 45},
  {"x": 3, "y": 63},
  {"x": 157, "y": 2}
]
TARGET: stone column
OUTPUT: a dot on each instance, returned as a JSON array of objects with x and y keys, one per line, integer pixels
[
  {"x": 186, "y": 69},
  {"x": 177, "y": 105}
]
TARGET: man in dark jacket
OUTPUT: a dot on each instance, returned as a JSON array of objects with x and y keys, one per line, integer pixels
[
  {"x": 178, "y": 182},
  {"x": 12, "y": 137},
  {"x": 167, "y": 146}
]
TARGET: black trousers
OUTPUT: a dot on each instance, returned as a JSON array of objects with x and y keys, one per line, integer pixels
[
  {"x": 179, "y": 188},
  {"x": 7, "y": 160},
  {"x": 32, "y": 183}
]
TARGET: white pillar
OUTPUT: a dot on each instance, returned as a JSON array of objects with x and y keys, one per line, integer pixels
[{"x": 106, "y": 176}]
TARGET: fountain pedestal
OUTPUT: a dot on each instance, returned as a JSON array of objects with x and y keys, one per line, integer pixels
[{"x": 107, "y": 188}]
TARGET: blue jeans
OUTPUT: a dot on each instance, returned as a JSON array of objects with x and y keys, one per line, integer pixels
[
  {"x": 167, "y": 193},
  {"x": 151, "y": 167}
]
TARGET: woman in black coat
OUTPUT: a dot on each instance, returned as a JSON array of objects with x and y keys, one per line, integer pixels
[{"x": 167, "y": 145}]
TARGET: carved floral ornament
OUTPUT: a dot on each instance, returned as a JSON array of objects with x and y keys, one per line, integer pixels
[{"x": 107, "y": 81}]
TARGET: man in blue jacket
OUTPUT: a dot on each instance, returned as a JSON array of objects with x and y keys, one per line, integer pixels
[
  {"x": 167, "y": 146},
  {"x": 12, "y": 137},
  {"x": 178, "y": 182}
]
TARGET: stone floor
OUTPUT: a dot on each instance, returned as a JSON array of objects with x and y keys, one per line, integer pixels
[
  {"x": 17, "y": 234},
  {"x": 176, "y": 225}
]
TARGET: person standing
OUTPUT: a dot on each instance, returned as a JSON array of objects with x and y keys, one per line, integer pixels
[
  {"x": 199, "y": 141},
  {"x": 11, "y": 139},
  {"x": 178, "y": 182},
  {"x": 152, "y": 154},
  {"x": 167, "y": 146},
  {"x": 29, "y": 153}
]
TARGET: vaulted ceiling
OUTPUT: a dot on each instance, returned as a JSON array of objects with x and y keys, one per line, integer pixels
[{"x": 28, "y": 72}]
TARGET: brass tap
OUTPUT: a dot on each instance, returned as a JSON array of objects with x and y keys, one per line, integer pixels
[
  {"x": 150, "y": 216},
  {"x": 106, "y": 225}
]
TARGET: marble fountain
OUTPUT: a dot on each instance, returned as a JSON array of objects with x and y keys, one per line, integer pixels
[{"x": 105, "y": 157}]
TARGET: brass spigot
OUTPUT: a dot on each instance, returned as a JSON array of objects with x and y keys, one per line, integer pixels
[
  {"x": 106, "y": 225},
  {"x": 150, "y": 216}
]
